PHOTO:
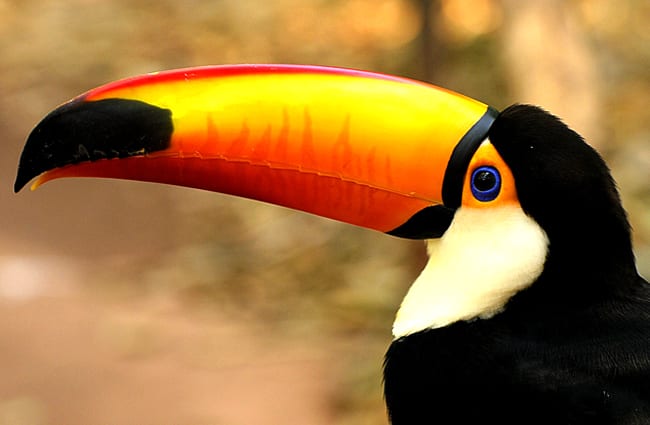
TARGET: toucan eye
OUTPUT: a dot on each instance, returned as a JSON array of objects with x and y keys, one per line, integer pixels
[{"x": 486, "y": 183}]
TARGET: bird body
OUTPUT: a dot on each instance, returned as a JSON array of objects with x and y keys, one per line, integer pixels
[{"x": 550, "y": 366}]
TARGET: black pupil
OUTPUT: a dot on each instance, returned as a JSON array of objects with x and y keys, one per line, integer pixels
[{"x": 484, "y": 181}]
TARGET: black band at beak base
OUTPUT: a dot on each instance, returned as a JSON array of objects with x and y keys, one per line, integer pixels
[
  {"x": 452, "y": 185},
  {"x": 429, "y": 223}
]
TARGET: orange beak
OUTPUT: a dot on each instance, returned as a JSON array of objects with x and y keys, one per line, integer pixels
[{"x": 373, "y": 150}]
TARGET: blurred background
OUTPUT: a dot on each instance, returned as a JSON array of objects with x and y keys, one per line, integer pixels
[{"x": 127, "y": 302}]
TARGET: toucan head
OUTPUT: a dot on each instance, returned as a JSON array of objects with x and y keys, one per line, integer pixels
[{"x": 386, "y": 153}]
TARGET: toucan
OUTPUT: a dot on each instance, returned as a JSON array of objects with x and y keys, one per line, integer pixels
[{"x": 530, "y": 309}]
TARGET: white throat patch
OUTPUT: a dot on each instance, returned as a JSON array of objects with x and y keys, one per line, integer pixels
[{"x": 485, "y": 257}]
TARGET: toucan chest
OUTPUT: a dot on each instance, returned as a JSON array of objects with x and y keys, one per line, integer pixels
[{"x": 485, "y": 372}]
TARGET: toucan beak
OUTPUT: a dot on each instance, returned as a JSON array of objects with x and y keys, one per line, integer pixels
[{"x": 373, "y": 150}]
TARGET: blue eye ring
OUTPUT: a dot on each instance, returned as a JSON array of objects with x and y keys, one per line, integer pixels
[{"x": 485, "y": 183}]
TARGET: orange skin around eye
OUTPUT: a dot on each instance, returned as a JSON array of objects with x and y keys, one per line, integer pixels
[{"x": 487, "y": 155}]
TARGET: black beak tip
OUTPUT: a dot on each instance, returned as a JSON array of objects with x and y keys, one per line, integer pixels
[
  {"x": 21, "y": 181},
  {"x": 82, "y": 131},
  {"x": 31, "y": 162}
]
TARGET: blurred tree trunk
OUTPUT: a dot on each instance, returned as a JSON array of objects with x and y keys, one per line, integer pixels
[
  {"x": 430, "y": 50},
  {"x": 549, "y": 63}
]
